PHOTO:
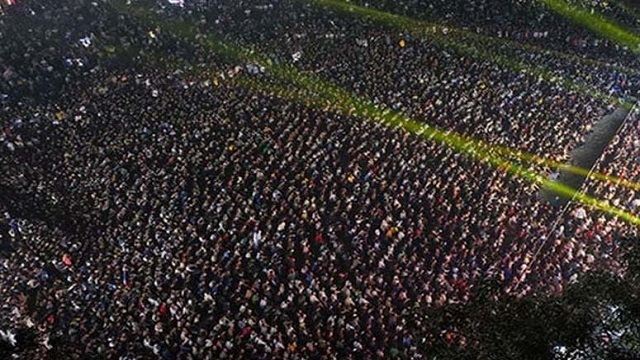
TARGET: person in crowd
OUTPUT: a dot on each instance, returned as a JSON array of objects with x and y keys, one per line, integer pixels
[{"x": 162, "y": 212}]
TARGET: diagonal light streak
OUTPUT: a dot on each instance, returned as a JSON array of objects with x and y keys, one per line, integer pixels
[
  {"x": 435, "y": 33},
  {"x": 347, "y": 102},
  {"x": 596, "y": 23},
  {"x": 467, "y": 35},
  {"x": 410, "y": 23},
  {"x": 351, "y": 105},
  {"x": 422, "y": 25}
]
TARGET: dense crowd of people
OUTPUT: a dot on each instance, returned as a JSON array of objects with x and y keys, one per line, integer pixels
[
  {"x": 154, "y": 207},
  {"x": 583, "y": 240},
  {"x": 529, "y": 22}
]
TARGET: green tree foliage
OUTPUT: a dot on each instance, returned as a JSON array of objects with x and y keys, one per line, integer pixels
[{"x": 597, "y": 317}]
